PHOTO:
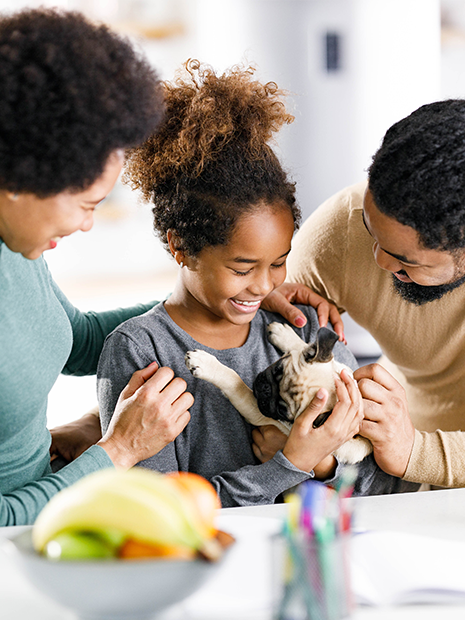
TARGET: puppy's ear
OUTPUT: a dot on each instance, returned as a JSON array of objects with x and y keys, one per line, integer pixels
[{"x": 325, "y": 341}]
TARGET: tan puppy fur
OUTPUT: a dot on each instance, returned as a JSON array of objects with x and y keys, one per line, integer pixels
[{"x": 300, "y": 381}]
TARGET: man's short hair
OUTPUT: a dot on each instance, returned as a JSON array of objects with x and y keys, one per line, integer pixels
[{"x": 418, "y": 174}]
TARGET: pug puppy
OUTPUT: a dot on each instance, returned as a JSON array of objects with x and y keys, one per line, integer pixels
[{"x": 285, "y": 389}]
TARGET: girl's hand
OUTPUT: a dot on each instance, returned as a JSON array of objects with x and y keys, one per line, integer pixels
[
  {"x": 150, "y": 413},
  {"x": 70, "y": 440},
  {"x": 309, "y": 448},
  {"x": 281, "y": 299},
  {"x": 387, "y": 423},
  {"x": 267, "y": 440}
]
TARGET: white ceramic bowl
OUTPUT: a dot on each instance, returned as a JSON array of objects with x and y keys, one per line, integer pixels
[{"x": 110, "y": 589}]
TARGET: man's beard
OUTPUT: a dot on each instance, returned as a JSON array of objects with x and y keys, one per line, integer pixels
[{"x": 419, "y": 295}]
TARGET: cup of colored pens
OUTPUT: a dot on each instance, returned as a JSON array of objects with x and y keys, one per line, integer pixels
[{"x": 311, "y": 578}]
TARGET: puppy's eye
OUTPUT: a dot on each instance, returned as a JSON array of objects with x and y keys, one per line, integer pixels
[
  {"x": 310, "y": 353},
  {"x": 278, "y": 371}
]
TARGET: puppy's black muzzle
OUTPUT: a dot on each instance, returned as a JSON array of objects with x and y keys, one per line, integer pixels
[{"x": 266, "y": 391}]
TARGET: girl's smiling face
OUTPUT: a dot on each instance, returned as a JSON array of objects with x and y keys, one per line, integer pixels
[{"x": 229, "y": 282}]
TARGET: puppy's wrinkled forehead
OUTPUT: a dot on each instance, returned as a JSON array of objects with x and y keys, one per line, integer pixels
[
  {"x": 285, "y": 388},
  {"x": 301, "y": 380}
]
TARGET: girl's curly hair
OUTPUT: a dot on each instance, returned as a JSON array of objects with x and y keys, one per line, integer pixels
[
  {"x": 71, "y": 93},
  {"x": 210, "y": 161}
]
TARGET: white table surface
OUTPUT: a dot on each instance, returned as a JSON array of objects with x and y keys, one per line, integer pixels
[{"x": 239, "y": 592}]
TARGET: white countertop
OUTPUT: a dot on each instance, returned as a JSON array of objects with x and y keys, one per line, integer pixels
[{"x": 231, "y": 595}]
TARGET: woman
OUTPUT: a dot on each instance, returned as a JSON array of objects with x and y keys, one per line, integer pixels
[{"x": 74, "y": 96}]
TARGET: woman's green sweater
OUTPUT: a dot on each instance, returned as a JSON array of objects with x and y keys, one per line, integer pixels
[{"x": 41, "y": 335}]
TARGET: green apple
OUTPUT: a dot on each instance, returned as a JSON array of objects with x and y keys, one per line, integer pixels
[{"x": 76, "y": 545}]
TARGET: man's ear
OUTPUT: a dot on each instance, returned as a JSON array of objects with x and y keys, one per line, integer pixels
[{"x": 174, "y": 244}]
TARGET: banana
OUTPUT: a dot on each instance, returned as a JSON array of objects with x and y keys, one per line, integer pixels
[{"x": 142, "y": 504}]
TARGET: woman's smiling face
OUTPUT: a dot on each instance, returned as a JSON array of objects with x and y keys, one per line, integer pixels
[
  {"x": 230, "y": 281},
  {"x": 31, "y": 225}
]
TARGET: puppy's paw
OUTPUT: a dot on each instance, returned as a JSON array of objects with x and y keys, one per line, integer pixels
[
  {"x": 354, "y": 450},
  {"x": 201, "y": 364},
  {"x": 283, "y": 337}
]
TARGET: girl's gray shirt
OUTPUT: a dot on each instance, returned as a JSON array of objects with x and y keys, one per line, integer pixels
[{"x": 217, "y": 441}]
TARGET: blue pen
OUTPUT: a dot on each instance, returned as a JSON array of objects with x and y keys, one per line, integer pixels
[{"x": 306, "y": 513}]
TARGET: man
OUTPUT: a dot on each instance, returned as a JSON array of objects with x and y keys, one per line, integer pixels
[{"x": 391, "y": 252}]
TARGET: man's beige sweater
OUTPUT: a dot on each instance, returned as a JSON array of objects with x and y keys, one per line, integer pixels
[{"x": 423, "y": 346}]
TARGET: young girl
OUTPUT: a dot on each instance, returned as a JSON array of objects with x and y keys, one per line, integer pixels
[{"x": 227, "y": 213}]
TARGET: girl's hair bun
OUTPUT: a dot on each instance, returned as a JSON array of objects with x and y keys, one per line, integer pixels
[{"x": 206, "y": 113}]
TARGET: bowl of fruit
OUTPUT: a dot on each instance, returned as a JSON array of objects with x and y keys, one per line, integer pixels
[{"x": 119, "y": 545}]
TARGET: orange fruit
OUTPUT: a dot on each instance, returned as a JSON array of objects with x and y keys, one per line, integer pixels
[
  {"x": 135, "y": 550},
  {"x": 201, "y": 494}
]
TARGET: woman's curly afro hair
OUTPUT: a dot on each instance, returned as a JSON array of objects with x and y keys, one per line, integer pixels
[
  {"x": 210, "y": 161},
  {"x": 71, "y": 93},
  {"x": 418, "y": 174}
]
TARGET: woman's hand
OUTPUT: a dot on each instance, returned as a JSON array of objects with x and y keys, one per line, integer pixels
[
  {"x": 267, "y": 440},
  {"x": 150, "y": 413},
  {"x": 311, "y": 448},
  {"x": 387, "y": 423},
  {"x": 281, "y": 299},
  {"x": 70, "y": 440}
]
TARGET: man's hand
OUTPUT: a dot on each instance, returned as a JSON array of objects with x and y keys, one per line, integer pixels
[
  {"x": 281, "y": 299},
  {"x": 386, "y": 423},
  {"x": 70, "y": 440},
  {"x": 150, "y": 413}
]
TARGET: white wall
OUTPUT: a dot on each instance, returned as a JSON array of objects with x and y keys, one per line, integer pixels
[{"x": 389, "y": 66}]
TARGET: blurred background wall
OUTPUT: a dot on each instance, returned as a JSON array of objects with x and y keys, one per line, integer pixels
[{"x": 352, "y": 68}]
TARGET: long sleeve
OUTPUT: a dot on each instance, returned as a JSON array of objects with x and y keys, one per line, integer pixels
[
  {"x": 217, "y": 441},
  {"x": 90, "y": 330},
  {"x": 438, "y": 458},
  {"x": 203, "y": 440},
  {"x": 423, "y": 346},
  {"x": 39, "y": 331},
  {"x": 22, "y": 505}
]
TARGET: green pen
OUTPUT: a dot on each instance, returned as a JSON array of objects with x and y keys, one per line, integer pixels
[
  {"x": 325, "y": 538},
  {"x": 299, "y": 599}
]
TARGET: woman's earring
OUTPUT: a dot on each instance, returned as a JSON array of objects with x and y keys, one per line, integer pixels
[
  {"x": 181, "y": 264},
  {"x": 13, "y": 197}
]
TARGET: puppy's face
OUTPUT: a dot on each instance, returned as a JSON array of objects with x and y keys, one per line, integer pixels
[{"x": 285, "y": 389}]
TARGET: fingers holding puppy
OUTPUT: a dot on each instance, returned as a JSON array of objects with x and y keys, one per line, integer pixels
[
  {"x": 387, "y": 422},
  {"x": 347, "y": 415},
  {"x": 307, "y": 446}
]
